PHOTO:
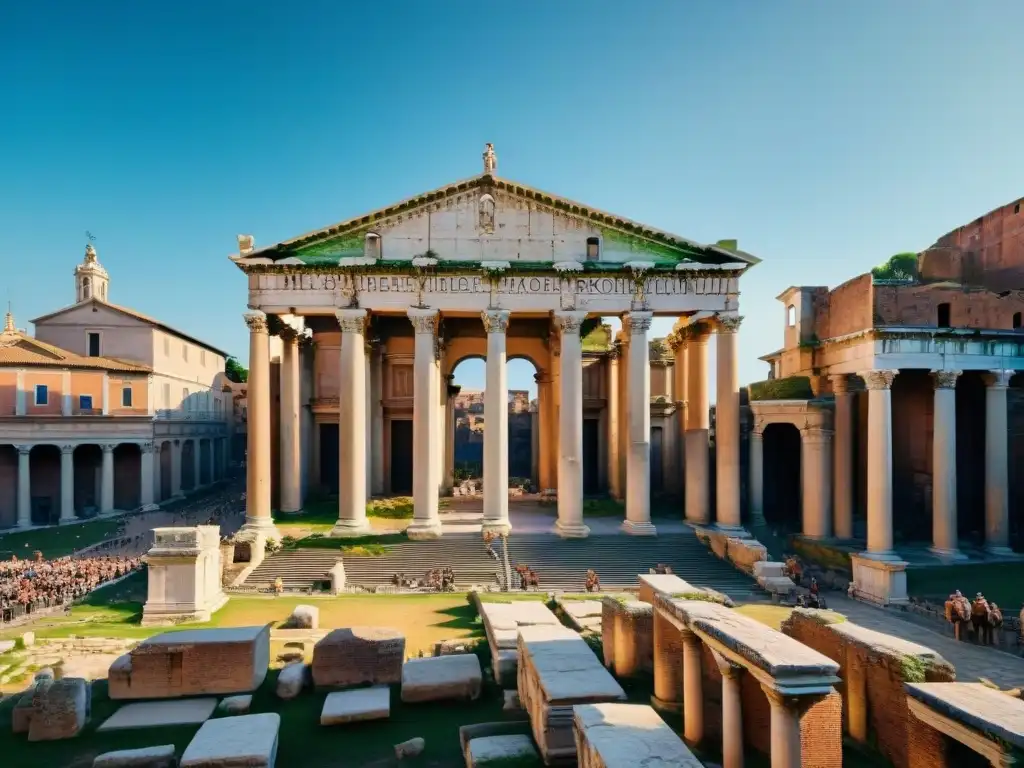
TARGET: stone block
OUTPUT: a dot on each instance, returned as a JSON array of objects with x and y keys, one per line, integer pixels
[
  {"x": 21, "y": 712},
  {"x": 343, "y": 707},
  {"x": 627, "y": 631},
  {"x": 881, "y": 581},
  {"x": 337, "y": 578},
  {"x": 148, "y": 757},
  {"x": 452, "y": 647},
  {"x": 490, "y": 749},
  {"x": 236, "y": 705},
  {"x": 248, "y": 741},
  {"x": 183, "y": 575},
  {"x": 60, "y": 709},
  {"x": 7, "y": 645},
  {"x": 627, "y": 735},
  {"x": 410, "y": 748},
  {"x": 193, "y": 662},
  {"x": 305, "y": 617},
  {"x": 358, "y": 655},
  {"x": 777, "y": 585},
  {"x": 441, "y": 677},
  {"x": 152, "y": 714},
  {"x": 652, "y": 584},
  {"x": 291, "y": 680},
  {"x": 746, "y": 553},
  {"x": 769, "y": 568},
  {"x": 27, "y": 639}
]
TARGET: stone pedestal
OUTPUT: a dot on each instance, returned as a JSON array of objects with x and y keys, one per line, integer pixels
[
  {"x": 184, "y": 575},
  {"x": 880, "y": 579}
]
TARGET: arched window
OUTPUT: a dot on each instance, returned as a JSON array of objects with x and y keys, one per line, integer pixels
[
  {"x": 103, "y": 292},
  {"x": 87, "y": 288},
  {"x": 372, "y": 246},
  {"x": 791, "y": 316},
  {"x": 943, "y": 315},
  {"x": 1016, "y": 319},
  {"x": 593, "y": 249},
  {"x": 486, "y": 215}
]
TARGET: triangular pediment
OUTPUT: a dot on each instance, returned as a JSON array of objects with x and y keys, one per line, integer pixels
[{"x": 487, "y": 218}]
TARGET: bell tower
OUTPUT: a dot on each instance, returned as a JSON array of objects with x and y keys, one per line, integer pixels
[{"x": 91, "y": 279}]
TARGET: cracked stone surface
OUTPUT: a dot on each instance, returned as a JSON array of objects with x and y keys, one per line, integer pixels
[{"x": 629, "y": 736}]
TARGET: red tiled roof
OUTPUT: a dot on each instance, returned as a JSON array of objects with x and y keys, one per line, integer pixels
[{"x": 20, "y": 349}]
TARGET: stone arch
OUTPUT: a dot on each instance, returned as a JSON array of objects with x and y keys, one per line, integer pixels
[{"x": 782, "y": 460}]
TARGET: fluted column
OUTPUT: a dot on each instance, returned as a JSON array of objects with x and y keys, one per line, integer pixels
[
  {"x": 997, "y": 503},
  {"x": 426, "y": 524},
  {"x": 693, "y": 689},
  {"x": 842, "y": 450},
  {"x": 570, "y": 440},
  {"x": 757, "y": 474},
  {"x": 732, "y": 713},
  {"x": 944, "y": 512},
  {"x": 107, "y": 479},
  {"x": 147, "y": 476},
  {"x": 638, "y": 469},
  {"x": 879, "y": 384},
  {"x": 352, "y": 425},
  {"x": 176, "y": 471},
  {"x": 816, "y": 460},
  {"x": 67, "y": 483},
  {"x": 496, "y": 428},
  {"x": 291, "y": 467},
  {"x": 697, "y": 427},
  {"x": 24, "y": 486},
  {"x": 257, "y": 467},
  {"x": 614, "y": 424},
  {"x": 727, "y": 425},
  {"x": 785, "y": 729},
  {"x": 377, "y": 423}
]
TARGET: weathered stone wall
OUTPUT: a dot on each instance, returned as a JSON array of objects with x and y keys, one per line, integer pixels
[{"x": 821, "y": 733}]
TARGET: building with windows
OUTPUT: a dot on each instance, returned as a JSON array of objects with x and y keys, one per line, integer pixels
[{"x": 105, "y": 409}]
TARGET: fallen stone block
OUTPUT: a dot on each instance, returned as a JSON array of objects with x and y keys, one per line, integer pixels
[
  {"x": 777, "y": 585},
  {"x": 627, "y": 735},
  {"x": 343, "y": 707},
  {"x": 248, "y": 741},
  {"x": 21, "y": 712},
  {"x": 153, "y": 714},
  {"x": 148, "y": 757},
  {"x": 7, "y": 646},
  {"x": 60, "y": 709},
  {"x": 452, "y": 647},
  {"x": 410, "y": 748},
  {"x": 236, "y": 705},
  {"x": 512, "y": 702},
  {"x": 769, "y": 568},
  {"x": 441, "y": 677},
  {"x": 305, "y": 617},
  {"x": 291, "y": 680},
  {"x": 745, "y": 553},
  {"x": 27, "y": 639},
  {"x": 491, "y": 749},
  {"x": 357, "y": 655}
]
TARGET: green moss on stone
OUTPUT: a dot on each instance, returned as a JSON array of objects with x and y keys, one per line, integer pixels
[{"x": 789, "y": 388}]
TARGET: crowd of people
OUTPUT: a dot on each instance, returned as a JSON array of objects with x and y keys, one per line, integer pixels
[{"x": 30, "y": 584}]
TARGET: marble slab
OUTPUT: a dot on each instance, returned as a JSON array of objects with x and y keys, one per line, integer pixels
[
  {"x": 978, "y": 706},
  {"x": 154, "y": 714},
  {"x": 630, "y": 735}
]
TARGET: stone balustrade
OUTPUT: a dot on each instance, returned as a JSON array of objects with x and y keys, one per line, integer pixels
[{"x": 738, "y": 675}]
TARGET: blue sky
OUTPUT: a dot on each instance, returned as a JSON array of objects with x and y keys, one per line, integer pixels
[{"x": 823, "y": 136}]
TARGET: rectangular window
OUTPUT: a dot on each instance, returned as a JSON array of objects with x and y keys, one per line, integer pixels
[
  {"x": 42, "y": 394},
  {"x": 126, "y": 397},
  {"x": 184, "y": 352},
  {"x": 94, "y": 344},
  {"x": 167, "y": 395},
  {"x": 167, "y": 347},
  {"x": 202, "y": 357},
  {"x": 85, "y": 402}
]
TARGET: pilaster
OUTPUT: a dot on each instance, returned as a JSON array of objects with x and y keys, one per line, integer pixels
[
  {"x": 67, "y": 483},
  {"x": 107, "y": 479},
  {"x": 24, "y": 486},
  {"x": 149, "y": 457}
]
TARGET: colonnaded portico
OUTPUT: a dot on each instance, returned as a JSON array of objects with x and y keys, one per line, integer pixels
[{"x": 392, "y": 301}]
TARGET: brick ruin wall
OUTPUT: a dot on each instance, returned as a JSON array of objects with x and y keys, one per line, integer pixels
[{"x": 889, "y": 717}]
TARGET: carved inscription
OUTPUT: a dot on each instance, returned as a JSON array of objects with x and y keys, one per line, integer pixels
[{"x": 668, "y": 285}]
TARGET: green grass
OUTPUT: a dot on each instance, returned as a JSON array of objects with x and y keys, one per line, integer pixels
[
  {"x": 57, "y": 541},
  {"x": 999, "y": 582},
  {"x": 326, "y": 542}
]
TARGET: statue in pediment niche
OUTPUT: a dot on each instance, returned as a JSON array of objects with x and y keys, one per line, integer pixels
[{"x": 487, "y": 215}]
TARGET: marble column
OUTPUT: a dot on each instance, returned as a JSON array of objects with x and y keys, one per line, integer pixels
[
  {"x": 997, "y": 502},
  {"x": 67, "y": 483},
  {"x": 257, "y": 460},
  {"x": 944, "y": 512},
  {"x": 496, "y": 428},
  {"x": 879, "y": 451},
  {"x": 727, "y": 426},
  {"x": 176, "y": 471},
  {"x": 290, "y": 471},
  {"x": 816, "y": 472},
  {"x": 614, "y": 423},
  {"x": 147, "y": 480},
  {"x": 785, "y": 729},
  {"x": 570, "y": 440},
  {"x": 107, "y": 479},
  {"x": 426, "y": 524},
  {"x": 24, "y": 486},
  {"x": 352, "y": 425},
  {"x": 377, "y": 423},
  {"x": 757, "y": 473},
  {"x": 693, "y": 693},
  {"x": 623, "y": 347},
  {"x": 697, "y": 427},
  {"x": 449, "y": 433},
  {"x": 681, "y": 392},
  {"x": 545, "y": 407},
  {"x": 367, "y": 421},
  {"x": 197, "y": 463},
  {"x": 732, "y": 713},
  {"x": 638, "y": 469},
  {"x": 842, "y": 450}
]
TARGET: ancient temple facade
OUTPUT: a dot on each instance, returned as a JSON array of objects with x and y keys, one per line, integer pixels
[{"x": 369, "y": 318}]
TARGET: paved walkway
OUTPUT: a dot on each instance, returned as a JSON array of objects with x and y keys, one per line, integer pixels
[
  {"x": 528, "y": 516},
  {"x": 972, "y": 662}
]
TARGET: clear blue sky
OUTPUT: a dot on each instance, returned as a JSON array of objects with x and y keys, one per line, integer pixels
[{"x": 824, "y": 136}]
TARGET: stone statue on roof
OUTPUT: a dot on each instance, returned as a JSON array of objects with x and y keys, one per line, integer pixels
[
  {"x": 490, "y": 160},
  {"x": 90, "y": 254},
  {"x": 246, "y": 244}
]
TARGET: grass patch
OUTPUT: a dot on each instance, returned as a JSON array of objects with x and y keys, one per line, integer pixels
[
  {"x": 769, "y": 615},
  {"x": 395, "y": 508},
  {"x": 57, "y": 541},
  {"x": 326, "y": 542},
  {"x": 827, "y": 557},
  {"x": 365, "y": 550},
  {"x": 999, "y": 582},
  {"x": 603, "y": 508}
]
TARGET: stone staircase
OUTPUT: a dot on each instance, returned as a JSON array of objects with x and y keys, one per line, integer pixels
[{"x": 559, "y": 564}]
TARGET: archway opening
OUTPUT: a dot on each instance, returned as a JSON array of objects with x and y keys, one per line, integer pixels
[
  {"x": 8, "y": 486},
  {"x": 88, "y": 461},
  {"x": 127, "y": 476},
  {"x": 45, "y": 474},
  {"x": 782, "y": 460}
]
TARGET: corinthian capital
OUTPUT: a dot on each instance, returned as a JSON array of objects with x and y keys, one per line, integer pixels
[
  {"x": 998, "y": 379},
  {"x": 729, "y": 323},
  {"x": 878, "y": 379},
  {"x": 351, "y": 320},
  {"x": 639, "y": 322},
  {"x": 945, "y": 379},
  {"x": 495, "y": 320},
  {"x": 256, "y": 321},
  {"x": 569, "y": 322},
  {"x": 423, "y": 320}
]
